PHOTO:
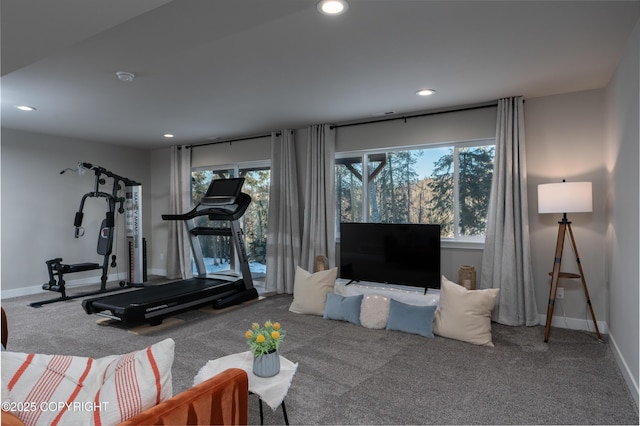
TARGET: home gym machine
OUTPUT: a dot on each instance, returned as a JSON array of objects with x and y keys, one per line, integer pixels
[
  {"x": 223, "y": 201},
  {"x": 131, "y": 204}
]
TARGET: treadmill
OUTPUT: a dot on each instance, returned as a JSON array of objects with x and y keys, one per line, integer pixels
[{"x": 223, "y": 201}]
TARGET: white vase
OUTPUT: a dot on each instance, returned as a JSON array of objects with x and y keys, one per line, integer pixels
[{"x": 266, "y": 365}]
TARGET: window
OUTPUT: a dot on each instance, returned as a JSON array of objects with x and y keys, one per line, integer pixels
[
  {"x": 218, "y": 250},
  {"x": 444, "y": 184}
]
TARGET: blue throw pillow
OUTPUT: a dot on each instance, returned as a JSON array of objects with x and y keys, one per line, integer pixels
[
  {"x": 343, "y": 308},
  {"x": 411, "y": 319}
]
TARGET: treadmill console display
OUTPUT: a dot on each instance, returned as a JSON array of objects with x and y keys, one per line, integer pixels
[{"x": 223, "y": 191}]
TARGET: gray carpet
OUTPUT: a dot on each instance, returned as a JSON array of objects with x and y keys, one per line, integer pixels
[{"x": 352, "y": 375}]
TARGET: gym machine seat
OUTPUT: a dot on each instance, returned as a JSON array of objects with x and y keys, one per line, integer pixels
[{"x": 57, "y": 268}]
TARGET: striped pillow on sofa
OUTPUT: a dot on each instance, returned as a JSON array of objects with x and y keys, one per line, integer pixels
[{"x": 61, "y": 389}]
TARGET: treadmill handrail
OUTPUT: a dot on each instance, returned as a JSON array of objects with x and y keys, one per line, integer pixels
[{"x": 214, "y": 213}]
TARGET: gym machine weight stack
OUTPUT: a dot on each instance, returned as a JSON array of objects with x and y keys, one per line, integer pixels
[{"x": 136, "y": 244}]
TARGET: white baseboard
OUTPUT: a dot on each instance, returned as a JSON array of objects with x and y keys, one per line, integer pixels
[
  {"x": 624, "y": 369},
  {"x": 28, "y": 291},
  {"x": 574, "y": 323}
]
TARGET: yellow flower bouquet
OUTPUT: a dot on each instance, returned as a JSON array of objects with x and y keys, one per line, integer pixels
[{"x": 264, "y": 340}]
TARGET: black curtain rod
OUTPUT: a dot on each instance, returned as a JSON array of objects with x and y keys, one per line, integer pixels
[
  {"x": 406, "y": 117},
  {"x": 232, "y": 140},
  {"x": 359, "y": 123}
]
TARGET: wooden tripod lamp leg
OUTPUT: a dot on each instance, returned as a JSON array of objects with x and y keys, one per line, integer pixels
[
  {"x": 584, "y": 282},
  {"x": 554, "y": 277}
]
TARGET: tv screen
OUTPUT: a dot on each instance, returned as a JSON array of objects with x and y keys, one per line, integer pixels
[{"x": 405, "y": 254}]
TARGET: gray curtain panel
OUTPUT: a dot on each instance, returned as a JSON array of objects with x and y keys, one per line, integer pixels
[
  {"x": 283, "y": 228},
  {"x": 318, "y": 231},
  {"x": 506, "y": 262},
  {"x": 179, "y": 249}
]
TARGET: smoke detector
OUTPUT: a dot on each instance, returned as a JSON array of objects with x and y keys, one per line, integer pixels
[{"x": 124, "y": 76}]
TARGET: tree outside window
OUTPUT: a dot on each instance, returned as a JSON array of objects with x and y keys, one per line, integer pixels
[{"x": 445, "y": 185}]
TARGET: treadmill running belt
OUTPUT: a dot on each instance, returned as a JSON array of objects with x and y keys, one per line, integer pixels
[{"x": 151, "y": 304}]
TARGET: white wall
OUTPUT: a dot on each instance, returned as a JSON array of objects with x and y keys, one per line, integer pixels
[
  {"x": 565, "y": 140},
  {"x": 430, "y": 129},
  {"x": 623, "y": 235},
  {"x": 231, "y": 152},
  {"x": 39, "y": 206}
]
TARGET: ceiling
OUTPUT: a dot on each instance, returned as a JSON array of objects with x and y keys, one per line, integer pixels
[{"x": 220, "y": 69}]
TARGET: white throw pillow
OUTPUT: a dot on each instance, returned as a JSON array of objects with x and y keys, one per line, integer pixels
[
  {"x": 374, "y": 311},
  {"x": 465, "y": 314},
  {"x": 310, "y": 291},
  {"x": 84, "y": 391}
]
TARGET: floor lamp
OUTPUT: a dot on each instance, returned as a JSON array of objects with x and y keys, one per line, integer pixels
[{"x": 565, "y": 197}]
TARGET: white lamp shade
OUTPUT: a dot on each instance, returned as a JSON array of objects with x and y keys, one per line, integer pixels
[{"x": 565, "y": 197}]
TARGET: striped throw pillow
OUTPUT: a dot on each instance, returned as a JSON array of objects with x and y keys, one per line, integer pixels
[{"x": 61, "y": 389}]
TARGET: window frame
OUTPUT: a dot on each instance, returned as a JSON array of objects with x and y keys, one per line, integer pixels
[
  {"x": 235, "y": 168},
  {"x": 459, "y": 242}
]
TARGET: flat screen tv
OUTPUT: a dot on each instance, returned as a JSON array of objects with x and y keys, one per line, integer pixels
[{"x": 405, "y": 254}]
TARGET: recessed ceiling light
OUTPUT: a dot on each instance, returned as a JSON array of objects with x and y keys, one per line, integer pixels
[
  {"x": 126, "y": 77},
  {"x": 169, "y": 135},
  {"x": 333, "y": 7},
  {"x": 425, "y": 92},
  {"x": 25, "y": 108}
]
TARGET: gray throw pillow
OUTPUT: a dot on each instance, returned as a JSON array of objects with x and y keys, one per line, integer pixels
[
  {"x": 411, "y": 318},
  {"x": 343, "y": 308}
]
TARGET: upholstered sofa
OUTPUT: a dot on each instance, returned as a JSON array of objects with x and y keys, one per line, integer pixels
[{"x": 222, "y": 399}]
